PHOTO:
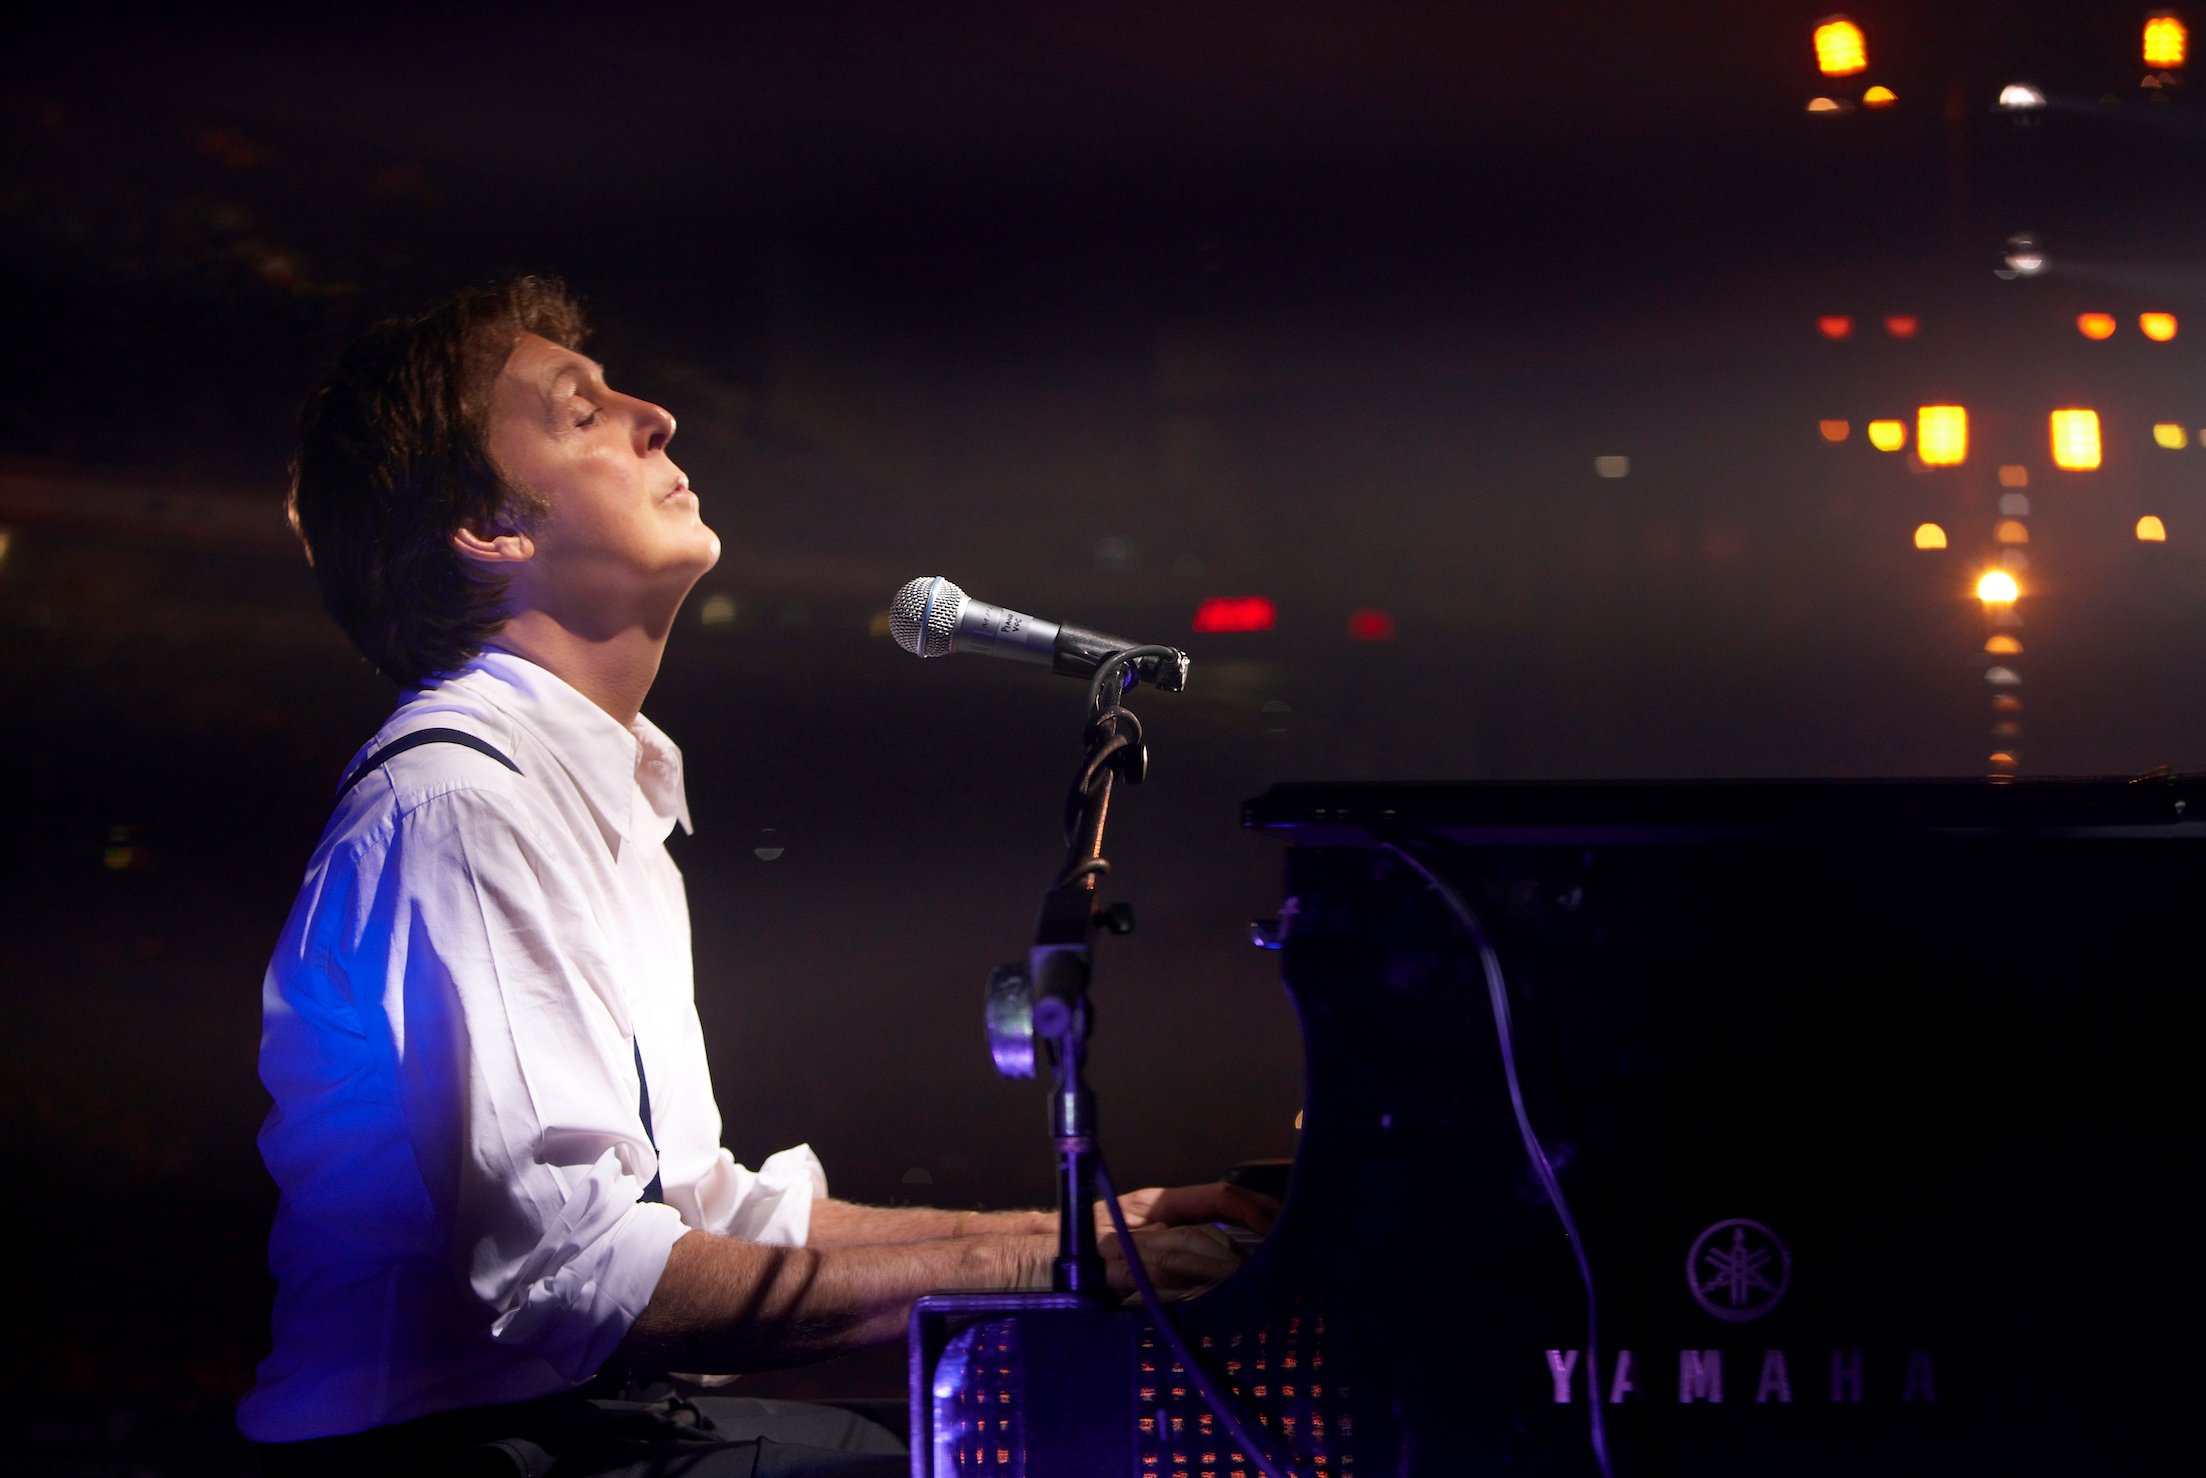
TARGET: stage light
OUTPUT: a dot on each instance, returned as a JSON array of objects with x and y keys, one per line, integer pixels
[
  {"x": 2158, "y": 327},
  {"x": 2014, "y": 476},
  {"x": 1997, "y": 588},
  {"x": 2003, "y": 645},
  {"x": 1879, "y": 97},
  {"x": 1825, "y": 105},
  {"x": 1929, "y": 536},
  {"x": 2014, "y": 505},
  {"x": 1888, "y": 436},
  {"x": 2095, "y": 325},
  {"x": 1612, "y": 466},
  {"x": 1834, "y": 431},
  {"x": 882, "y": 625},
  {"x": 2150, "y": 530},
  {"x": 1942, "y": 435},
  {"x": 2020, "y": 97},
  {"x": 2170, "y": 435},
  {"x": 1370, "y": 625},
  {"x": 2006, "y": 703},
  {"x": 2025, "y": 255},
  {"x": 7, "y": 537},
  {"x": 1235, "y": 613},
  {"x": 2002, "y": 760},
  {"x": 2166, "y": 42},
  {"x": 2011, "y": 531},
  {"x": 2012, "y": 558},
  {"x": 717, "y": 610},
  {"x": 1840, "y": 50},
  {"x": 1902, "y": 325},
  {"x": 1834, "y": 326},
  {"x": 2076, "y": 440}
]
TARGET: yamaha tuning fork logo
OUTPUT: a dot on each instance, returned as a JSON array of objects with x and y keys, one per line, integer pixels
[{"x": 1738, "y": 1270}]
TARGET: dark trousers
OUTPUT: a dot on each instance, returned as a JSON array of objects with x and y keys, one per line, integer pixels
[{"x": 575, "y": 1436}]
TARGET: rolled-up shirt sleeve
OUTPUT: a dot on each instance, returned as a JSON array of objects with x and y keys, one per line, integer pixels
[{"x": 513, "y": 1054}]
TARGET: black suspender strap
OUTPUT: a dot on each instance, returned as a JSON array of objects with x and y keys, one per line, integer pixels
[
  {"x": 656, "y": 1191},
  {"x": 415, "y": 740}
]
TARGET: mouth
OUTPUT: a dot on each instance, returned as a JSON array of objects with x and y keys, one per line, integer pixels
[{"x": 681, "y": 489}]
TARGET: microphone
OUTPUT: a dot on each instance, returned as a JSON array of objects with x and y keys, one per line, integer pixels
[{"x": 930, "y": 617}]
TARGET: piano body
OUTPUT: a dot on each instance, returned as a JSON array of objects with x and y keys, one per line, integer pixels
[{"x": 1867, "y": 1097}]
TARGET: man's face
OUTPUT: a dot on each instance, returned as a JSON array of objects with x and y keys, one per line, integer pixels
[{"x": 623, "y": 537}]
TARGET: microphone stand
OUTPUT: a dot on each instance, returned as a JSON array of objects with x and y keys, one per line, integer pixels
[
  {"x": 1059, "y": 965},
  {"x": 1046, "y": 998}
]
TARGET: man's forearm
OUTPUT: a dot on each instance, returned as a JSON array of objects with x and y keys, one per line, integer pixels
[
  {"x": 842, "y": 1224},
  {"x": 727, "y": 1305}
]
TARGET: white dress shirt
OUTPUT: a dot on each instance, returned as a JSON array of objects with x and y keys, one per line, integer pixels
[{"x": 451, "y": 1025}]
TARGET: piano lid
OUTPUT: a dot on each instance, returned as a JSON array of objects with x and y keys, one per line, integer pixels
[{"x": 1567, "y": 813}]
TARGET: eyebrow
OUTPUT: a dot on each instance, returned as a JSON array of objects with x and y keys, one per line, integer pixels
[{"x": 579, "y": 367}]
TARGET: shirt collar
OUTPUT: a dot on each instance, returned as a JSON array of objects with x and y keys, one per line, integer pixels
[{"x": 629, "y": 775}]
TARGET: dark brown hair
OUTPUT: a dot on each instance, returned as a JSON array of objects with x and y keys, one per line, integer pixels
[{"x": 394, "y": 459}]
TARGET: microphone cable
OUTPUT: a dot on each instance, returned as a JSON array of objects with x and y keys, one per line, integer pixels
[
  {"x": 1225, "y": 1405},
  {"x": 1497, "y": 993}
]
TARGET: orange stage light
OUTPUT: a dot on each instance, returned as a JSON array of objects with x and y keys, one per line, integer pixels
[
  {"x": 1879, "y": 97},
  {"x": 1902, "y": 325},
  {"x": 1834, "y": 326},
  {"x": 2011, "y": 531},
  {"x": 2095, "y": 325},
  {"x": 1888, "y": 436},
  {"x": 1997, "y": 588},
  {"x": 2076, "y": 440},
  {"x": 1942, "y": 435},
  {"x": 2167, "y": 41},
  {"x": 2003, "y": 645},
  {"x": 1834, "y": 431},
  {"x": 2150, "y": 530},
  {"x": 1840, "y": 50},
  {"x": 2158, "y": 327},
  {"x": 1929, "y": 536}
]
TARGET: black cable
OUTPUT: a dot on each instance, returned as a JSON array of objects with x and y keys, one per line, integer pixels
[
  {"x": 1096, "y": 866},
  {"x": 1497, "y": 994},
  {"x": 1113, "y": 665},
  {"x": 1227, "y": 1407}
]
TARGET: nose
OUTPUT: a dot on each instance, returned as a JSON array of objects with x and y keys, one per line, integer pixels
[{"x": 654, "y": 427}]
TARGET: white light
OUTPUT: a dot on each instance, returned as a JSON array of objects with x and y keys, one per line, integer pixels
[
  {"x": 2020, "y": 96},
  {"x": 2025, "y": 257}
]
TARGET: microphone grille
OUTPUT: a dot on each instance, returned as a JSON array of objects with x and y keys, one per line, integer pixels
[{"x": 924, "y": 614}]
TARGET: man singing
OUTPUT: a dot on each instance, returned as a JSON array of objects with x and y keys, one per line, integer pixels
[{"x": 503, "y": 1189}]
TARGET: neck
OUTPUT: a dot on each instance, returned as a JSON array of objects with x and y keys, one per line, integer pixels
[{"x": 614, "y": 670}]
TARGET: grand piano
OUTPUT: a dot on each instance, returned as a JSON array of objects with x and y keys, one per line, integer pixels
[{"x": 1867, "y": 1097}]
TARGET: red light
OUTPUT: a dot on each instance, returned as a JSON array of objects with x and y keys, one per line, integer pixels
[
  {"x": 1834, "y": 326},
  {"x": 1902, "y": 325},
  {"x": 1235, "y": 613},
  {"x": 1370, "y": 625}
]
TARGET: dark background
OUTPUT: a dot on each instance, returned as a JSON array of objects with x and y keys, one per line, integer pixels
[{"x": 1100, "y": 311}]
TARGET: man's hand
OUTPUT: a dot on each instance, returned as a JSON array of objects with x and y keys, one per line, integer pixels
[
  {"x": 1179, "y": 1206},
  {"x": 1175, "y": 1230}
]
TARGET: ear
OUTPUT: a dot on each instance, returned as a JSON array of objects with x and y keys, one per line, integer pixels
[{"x": 493, "y": 546}]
